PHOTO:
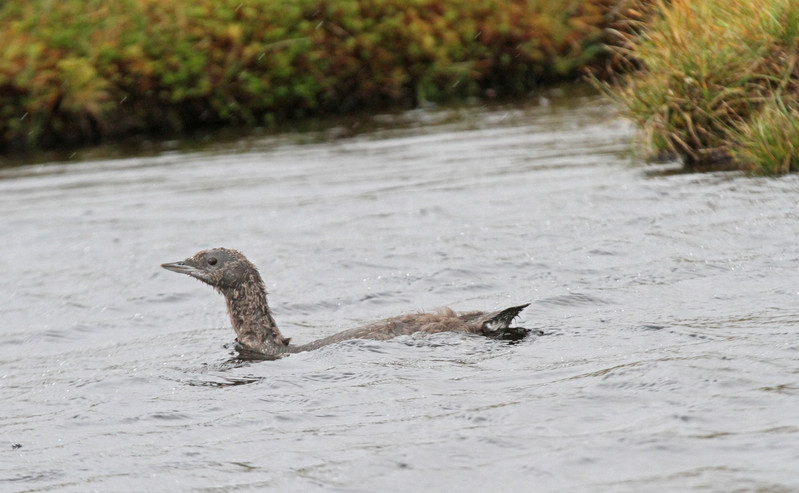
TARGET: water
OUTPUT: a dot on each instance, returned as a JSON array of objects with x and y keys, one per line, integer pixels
[{"x": 670, "y": 303}]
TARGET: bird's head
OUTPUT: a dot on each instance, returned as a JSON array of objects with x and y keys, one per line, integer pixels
[{"x": 222, "y": 268}]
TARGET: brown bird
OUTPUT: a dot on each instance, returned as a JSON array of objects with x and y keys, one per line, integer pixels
[{"x": 237, "y": 279}]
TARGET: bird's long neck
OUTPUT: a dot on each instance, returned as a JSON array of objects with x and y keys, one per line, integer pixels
[{"x": 251, "y": 317}]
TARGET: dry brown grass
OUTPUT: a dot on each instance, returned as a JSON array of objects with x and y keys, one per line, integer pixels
[{"x": 702, "y": 70}]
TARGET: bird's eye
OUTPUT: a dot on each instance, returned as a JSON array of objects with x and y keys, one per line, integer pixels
[{"x": 212, "y": 261}]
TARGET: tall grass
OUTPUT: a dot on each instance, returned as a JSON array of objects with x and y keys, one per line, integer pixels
[
  {"x": 701, "y": 71},
  {"x": 768, "y": 143}
]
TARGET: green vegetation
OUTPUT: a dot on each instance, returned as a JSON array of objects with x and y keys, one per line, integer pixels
[
  {"x": 769, "y": 140},
  {"x": 716, "y": 83},
  {"x": 77, "y": 71}
]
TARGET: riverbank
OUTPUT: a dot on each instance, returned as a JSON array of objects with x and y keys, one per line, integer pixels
[
  {"x": 716, "y": 84},
  {"x": 75, "y": 72}
]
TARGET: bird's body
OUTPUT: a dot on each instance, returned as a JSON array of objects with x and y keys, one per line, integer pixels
[{"x": 230, "y": 273}]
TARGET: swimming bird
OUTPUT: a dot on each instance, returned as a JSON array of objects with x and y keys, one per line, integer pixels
[{"x": 237, "y": 279}]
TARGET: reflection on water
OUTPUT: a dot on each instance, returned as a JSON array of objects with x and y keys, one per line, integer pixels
[{"x": 669, "y": 303}]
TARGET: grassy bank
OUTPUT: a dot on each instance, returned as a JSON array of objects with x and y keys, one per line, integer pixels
[
  {"x": 716, "y": 83},
  {"x": 79, "y": 71}
]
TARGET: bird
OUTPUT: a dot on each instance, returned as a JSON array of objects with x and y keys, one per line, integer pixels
[{"x": 238, "y": 280}]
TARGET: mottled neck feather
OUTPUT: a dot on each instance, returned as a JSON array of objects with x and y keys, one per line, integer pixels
[{"x": 251, "y": 317}]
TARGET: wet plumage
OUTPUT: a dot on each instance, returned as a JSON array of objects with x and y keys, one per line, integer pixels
[{"x": 237, "y": 279}]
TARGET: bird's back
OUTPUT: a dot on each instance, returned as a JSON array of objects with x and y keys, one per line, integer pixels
[{"x": 493, "y": 324}]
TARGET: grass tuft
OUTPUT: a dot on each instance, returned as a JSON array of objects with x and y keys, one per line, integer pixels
[
  {"x": 701, "y": 71},
  {"x": 768, "y": 143}
]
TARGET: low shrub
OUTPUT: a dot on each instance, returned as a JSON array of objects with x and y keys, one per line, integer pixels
[{"x": 75, "y": 71}]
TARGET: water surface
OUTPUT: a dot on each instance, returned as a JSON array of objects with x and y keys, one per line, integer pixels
[{"x": 670, "y": 303}]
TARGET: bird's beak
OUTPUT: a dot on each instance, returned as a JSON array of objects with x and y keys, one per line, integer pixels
[{"x": 180, "y": 267}]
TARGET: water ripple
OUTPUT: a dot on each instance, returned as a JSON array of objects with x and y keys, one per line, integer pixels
[{"x": 669, "y": 302}]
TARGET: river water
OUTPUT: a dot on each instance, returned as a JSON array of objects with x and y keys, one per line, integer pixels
[{"x": 670, "y": 304}]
